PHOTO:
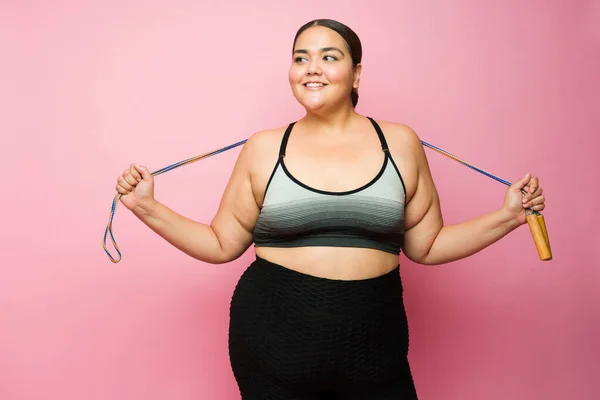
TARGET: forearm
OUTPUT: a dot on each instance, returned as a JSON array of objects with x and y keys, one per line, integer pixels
[
  {"x": 195, "y": 239},
  {"x": 458, "y": 241}
]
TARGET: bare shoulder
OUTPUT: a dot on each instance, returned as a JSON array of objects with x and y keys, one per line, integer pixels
[
  {"x": 265, "y": 141},
  {"x": 399, "y": 135},
  {"x": 262, "y": 147},
  {"x": 262, "y": 152},
  {"x": 407, "y": 151}
]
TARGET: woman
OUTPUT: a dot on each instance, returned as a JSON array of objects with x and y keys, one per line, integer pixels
[{"x": 329, "y": 202}]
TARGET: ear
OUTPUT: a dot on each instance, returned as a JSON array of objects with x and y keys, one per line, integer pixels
[{"x": 356, "y": 80}]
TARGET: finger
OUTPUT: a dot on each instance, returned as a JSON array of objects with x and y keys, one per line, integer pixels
[
  {"x": 536, "y": 202},
  {"x": 539, "y": 207},
  {"x": 530, "y": 196},
  {"x": 129, "y": 178},
  {"x": 534, "y": 183},
  {"x": 122, "y": 190},
  {"x": 122, "y": 182},
  {"x": 136, "y": 175},
  {"x": 537, "y": 193},
  {"x": 521, "y": 183},
  {"x": 146, "y": 175}
]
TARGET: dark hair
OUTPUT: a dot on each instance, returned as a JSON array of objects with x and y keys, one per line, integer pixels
[{"x": 352, "y": 42}]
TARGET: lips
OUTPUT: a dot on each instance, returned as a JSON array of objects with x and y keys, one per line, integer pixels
[{"x": 314, "y": 85}]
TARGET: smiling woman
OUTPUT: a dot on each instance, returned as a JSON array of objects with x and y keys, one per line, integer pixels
[
  {"x": 319, "y": 314},
  {"x": 315, "y": 50}
]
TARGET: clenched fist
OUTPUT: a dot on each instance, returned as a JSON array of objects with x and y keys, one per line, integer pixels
[
  {"x": 515, "y": 202},
  {"x": 136, "y": 186}
]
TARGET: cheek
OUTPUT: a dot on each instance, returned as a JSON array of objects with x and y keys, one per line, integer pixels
[
  {"x": 295, "y": 75},
  {"x": 339, "y": 75}
]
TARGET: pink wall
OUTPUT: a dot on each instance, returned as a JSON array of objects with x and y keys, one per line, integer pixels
[{"x": 88, "y": 87}]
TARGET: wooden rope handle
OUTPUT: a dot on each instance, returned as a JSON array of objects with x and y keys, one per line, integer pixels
[{"x": 537, "y": 226}]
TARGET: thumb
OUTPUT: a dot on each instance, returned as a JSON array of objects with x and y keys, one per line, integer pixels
[
  {"x": 146, "y": 175},
  {"x": 521, "y": 183}
]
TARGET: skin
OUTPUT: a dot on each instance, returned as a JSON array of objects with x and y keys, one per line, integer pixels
[{"x": 331, "y": 148}]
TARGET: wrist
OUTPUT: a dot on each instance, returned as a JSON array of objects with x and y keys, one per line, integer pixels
[
  {"x": 509, "y": 219},
  {"x": 145, "y": 208}
]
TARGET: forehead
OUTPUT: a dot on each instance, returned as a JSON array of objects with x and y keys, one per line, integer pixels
[{"x": 318, "y": 37}]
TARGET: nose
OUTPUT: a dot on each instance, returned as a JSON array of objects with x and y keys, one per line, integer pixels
[{"x": 314, "y": 67}]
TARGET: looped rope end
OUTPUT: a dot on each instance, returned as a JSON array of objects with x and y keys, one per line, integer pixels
[{"x": 108, "y": 229}]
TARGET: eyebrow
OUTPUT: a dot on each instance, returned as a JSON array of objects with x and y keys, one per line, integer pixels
[{"x": 323, "y": 50}]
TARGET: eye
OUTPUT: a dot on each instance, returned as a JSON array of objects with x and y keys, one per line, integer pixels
[
  {"x": 299, "y": 59},
  {"x": 330, "y": 58}
]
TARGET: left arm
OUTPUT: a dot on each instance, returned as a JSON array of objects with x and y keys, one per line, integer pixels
[{"x": 429, "y": 241}]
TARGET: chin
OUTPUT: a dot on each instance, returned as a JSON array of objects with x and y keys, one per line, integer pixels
[
  {"x": 314, "y": 106},
  {"x": 311, "y": 105},
  {"x": 322, "y": 107}
]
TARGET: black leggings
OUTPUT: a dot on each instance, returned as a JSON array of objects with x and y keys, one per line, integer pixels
[{"x": 293, "y": 336}]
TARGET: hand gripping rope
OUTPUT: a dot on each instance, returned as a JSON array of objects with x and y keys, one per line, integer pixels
[{"x": 535, "y": 220}]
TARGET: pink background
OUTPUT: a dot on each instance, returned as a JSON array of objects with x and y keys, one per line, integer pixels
[{"x": 90, "y": 86}]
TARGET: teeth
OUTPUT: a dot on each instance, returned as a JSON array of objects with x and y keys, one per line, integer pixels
[{"x": 314, "y": 84}]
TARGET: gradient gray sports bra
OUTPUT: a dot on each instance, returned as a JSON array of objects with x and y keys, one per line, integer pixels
[{"x": 295, "y": 215}]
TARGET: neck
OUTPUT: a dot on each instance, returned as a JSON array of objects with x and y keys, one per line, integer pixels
[{"x": 330, "y": 121}]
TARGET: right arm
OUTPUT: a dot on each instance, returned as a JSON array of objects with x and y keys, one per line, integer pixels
[{"x": 229, "y": 234}]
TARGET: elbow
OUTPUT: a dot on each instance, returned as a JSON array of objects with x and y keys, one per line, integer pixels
[
  {"x": 216, "y": 258},
  {"x": 226, "y": 257},
  {"x": 427, "y": 259},
  {"x": 219, "y": 256},
  {"x": 422, "y": 259},
  {"x": 226, "y": 252},
  {"x": 423, "y": 250}
]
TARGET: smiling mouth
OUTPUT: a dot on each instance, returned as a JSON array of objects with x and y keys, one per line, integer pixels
[{"x": 314, "y": 85}]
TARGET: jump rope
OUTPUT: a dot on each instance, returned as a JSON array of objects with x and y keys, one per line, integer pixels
[{"x": 535, "y": 219}]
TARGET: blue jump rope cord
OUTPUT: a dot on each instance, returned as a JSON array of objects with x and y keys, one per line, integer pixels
[{"x": 108, "y": 230}]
